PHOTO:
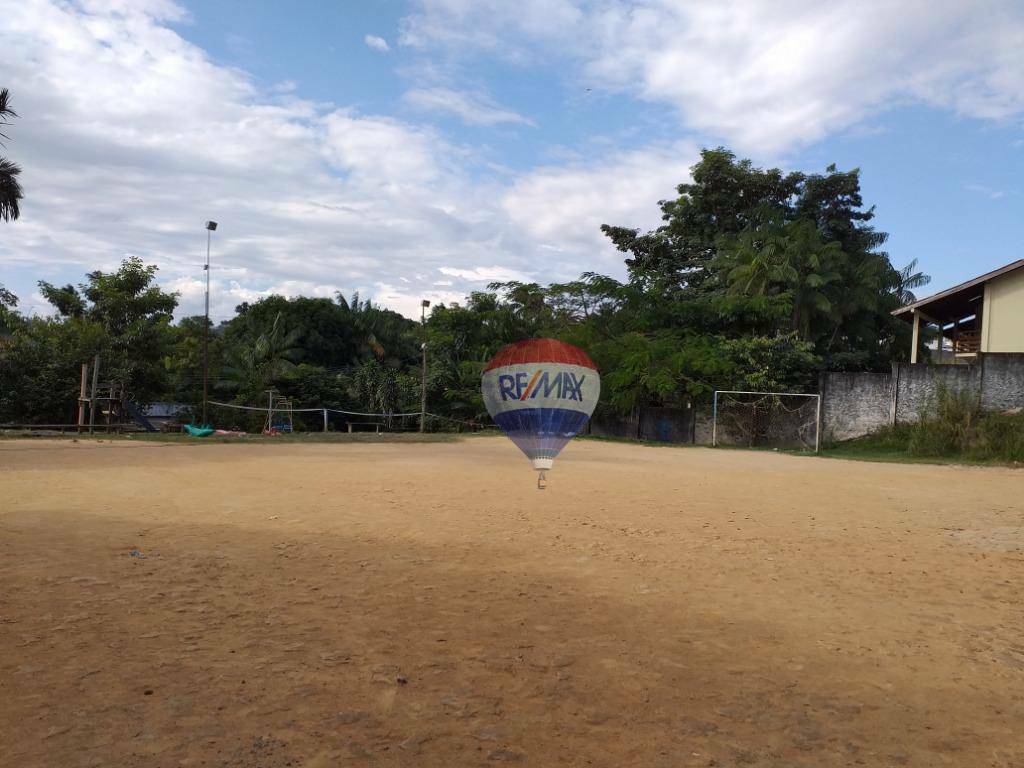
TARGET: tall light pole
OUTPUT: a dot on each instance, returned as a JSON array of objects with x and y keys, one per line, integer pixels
[
  {"x": 423, "y": 376},
  {"x": 211, "y": 226}
]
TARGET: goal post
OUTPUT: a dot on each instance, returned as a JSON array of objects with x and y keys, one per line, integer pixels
[{"x": 766, "y": 419}]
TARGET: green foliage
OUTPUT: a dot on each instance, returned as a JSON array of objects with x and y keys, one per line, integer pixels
[
  {"x": 123, "y": 317},
  {"x": 383, "y": 389},
  {"x": 770, "y": 253},
  {"x": 40, "y": 368},
  {"x": 1000, "y": 437},
  {"x": 183, "y": 363},
  {"x": 9, "y": 317},
  {"x": 135, "y": 317},
  {"x": 771, "y": 364},
  {"x": 265, "y": 357}
]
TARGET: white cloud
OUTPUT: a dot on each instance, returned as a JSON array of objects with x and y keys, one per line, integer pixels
[
  {"x": 495, "y": 274},
  {"x": 377, "y": 43},
  {"x": 989, "y": 192},
  {"x": 764, "y": 75},
  {"x": 474, "y": 109},
  {"x": 568, "y": 204},
  {"x": 408, "y": 302},
  {"x": 130, "y": 138}
]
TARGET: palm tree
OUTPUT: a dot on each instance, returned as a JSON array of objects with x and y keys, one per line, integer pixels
[
  {"x": 10, "y": 189},
  {"x": 379, "y": 333},
  {"x": 788, "y": 260},
  {"x": 271, "y": 356},
  {"x": 908, "y": 281}
]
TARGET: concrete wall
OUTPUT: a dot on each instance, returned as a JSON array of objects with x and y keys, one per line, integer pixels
[
  {"x": 1002, "y": 382},
  {"x": 917, "y": 385},
  {"x": 702, "y": 425},
  {"x": 854, "y": 404},
  {"x": 1002, "y": 327}
]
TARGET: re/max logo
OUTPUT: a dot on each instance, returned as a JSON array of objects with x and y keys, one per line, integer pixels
[{"x": 564, "y": 386}]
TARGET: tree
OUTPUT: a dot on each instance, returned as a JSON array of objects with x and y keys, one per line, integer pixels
[
  {"x": 384, "y": 389},
  {"x": 40, "y": 363},
  {"x": 10, "y": 187},
  {"x": 8, "y": 311},
  {"x": 133, "y": 314},
  {"x": 909, "y": 279},
  {"x": 183, "y": 362},
  {"x": 725, "y": 197},
  {"x": 751, "y": 252},
  {"x": 791, "y": 263},
  {"x": 270, "y": 357}
]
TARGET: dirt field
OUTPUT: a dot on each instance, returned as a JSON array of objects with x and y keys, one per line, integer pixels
[{"x": 425, "y": 605}]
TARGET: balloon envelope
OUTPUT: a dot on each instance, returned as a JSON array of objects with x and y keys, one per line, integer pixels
[{"x": 541, "y": 393}]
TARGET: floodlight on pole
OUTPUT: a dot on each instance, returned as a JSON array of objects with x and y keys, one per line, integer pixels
[
  {"x": 211, "y": 227},
  {"x": 423, "y": 376}
]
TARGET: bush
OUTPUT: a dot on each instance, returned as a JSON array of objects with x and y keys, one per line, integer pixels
[
  {"x": 946, "y": 426},
  {"x": 1001, "y": 437},
  {"x": 952, "y": 426}
]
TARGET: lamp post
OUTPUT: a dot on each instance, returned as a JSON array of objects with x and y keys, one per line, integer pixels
[
  {"x": 423, "y": 376},
  {"x": 211, "y": 226}
]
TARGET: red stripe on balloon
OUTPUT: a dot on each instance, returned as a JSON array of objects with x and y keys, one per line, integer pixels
[{"x": 541, "y": 351}]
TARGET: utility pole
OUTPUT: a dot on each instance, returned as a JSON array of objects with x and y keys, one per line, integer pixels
[
  {"x": 423, "y": 376},
  {"x": 211, "y": 226}
]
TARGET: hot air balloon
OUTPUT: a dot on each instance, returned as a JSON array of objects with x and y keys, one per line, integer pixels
[{"x": 541, "y": 393}]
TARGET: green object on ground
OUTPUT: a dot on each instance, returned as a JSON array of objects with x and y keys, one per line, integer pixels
[{"x": 195, "y": 431}]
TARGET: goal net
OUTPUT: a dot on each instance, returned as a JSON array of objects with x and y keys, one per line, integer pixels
[{"x": 766, "y": 420}]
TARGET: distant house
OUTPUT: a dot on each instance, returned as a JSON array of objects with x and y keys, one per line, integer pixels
[{"x": 985, "y": 314}]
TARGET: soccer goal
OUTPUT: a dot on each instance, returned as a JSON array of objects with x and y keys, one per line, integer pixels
[{"x": 766, "y": 419}]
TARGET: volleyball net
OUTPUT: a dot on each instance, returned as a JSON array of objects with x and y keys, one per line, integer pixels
[{"x": 282, "y": 416}]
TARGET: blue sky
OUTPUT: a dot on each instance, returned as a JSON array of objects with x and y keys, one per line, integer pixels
[{"x": 423, "y": 148}]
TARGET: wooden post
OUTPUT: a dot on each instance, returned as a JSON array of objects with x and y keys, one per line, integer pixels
[
  {"x": 92, "y": 399},
  {"x": 81, "y": 396}
]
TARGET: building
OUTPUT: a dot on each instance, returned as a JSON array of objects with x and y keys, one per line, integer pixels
[{"x": 985, "y": 314}]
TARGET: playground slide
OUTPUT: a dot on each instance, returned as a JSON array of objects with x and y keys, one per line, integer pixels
[{"x": 139, "y": 416}]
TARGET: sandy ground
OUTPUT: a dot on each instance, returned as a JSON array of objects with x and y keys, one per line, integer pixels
[{"x": 425, "y": 605}]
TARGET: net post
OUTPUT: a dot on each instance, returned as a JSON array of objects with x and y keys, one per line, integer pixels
[
  {"x": 817, "y": 428},
  {"x": 325, "y": 419},
  {"x": 714, "y": 421}
]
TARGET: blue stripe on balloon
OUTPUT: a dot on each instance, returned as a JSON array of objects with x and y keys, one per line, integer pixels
[{"x": 541, "y": 433}]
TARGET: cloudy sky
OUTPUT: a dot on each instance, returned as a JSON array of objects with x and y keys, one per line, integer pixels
[{"x": 424, "y": 148}]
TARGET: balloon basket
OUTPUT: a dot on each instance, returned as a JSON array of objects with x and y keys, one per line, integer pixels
[{"x": 542, "y": 480}]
